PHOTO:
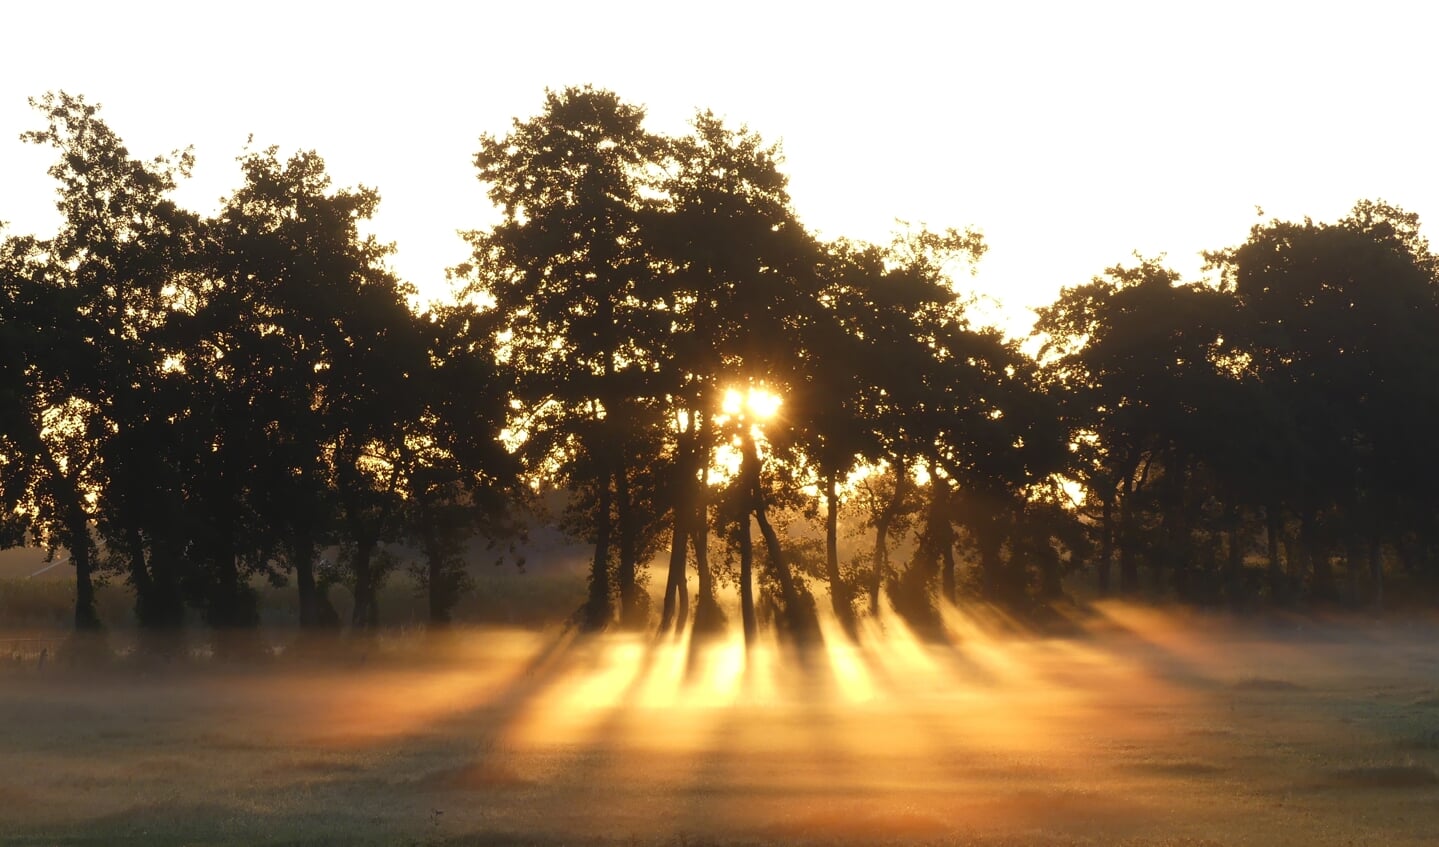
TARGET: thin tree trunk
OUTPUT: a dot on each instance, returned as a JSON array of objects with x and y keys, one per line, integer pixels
[
  {"x": 629, "y": 600},
  {"x": 598, "y": 609},
  {"x": 169, "y": 604},
  {"x": 440, "y": 583},
  {"x": 1128, "y": 569},
  {"x": 366, "y": 613},
  {"x": 794, "y": 614},
  {"x": 839, "y": 590},
  {"x": 367, "y": 531},
  {"x": 881, "y": 534},
  {"x": 304, "y": 550},
  {"x": 941, "y": 533},
  {"x": 1176, "y": 531},
  {"x": 746, "y": 581},
  {"x": 86, "y": 618},
  {"x": 676, "y": 582},
  {"x": 708, "y": 615},
  {"x": 1106, "y": 540},
  {"x": 1296, "y": 564},
  {"x": 1272, "y": 531},
  {"x": 1322, "y": 573},
  {"x": 989, "y": 539},
  {"x": 1234, "y": 566},
  {"x": 1051, "y": 576},
  {"x": 77, "y": 531},
  {"x": 675, "y": 576},
  {"x": 948, "y": 581},
  {"x": 146, "y": 611},
  {"x": 440, "y": 595}
]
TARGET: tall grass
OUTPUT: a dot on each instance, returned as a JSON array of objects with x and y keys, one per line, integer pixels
[{"x": 43, "y": 603}]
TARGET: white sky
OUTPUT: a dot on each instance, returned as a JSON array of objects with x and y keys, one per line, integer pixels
[{"x": 1070, "y": 134}]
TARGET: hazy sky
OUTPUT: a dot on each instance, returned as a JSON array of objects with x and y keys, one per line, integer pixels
[{"x": 1071, "y": 134}]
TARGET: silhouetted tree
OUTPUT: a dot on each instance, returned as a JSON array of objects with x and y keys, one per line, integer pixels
[
  {"x": 464, "y": 481},
  {"x": 565, "y": 267},
  {"x": 1342, "y": 335},
  {"x": 738, "y": 291},
  {"x": 313, "y": 352},
  {"x": 1137, "y": 355},
  {"x": 99, "y": 388}
]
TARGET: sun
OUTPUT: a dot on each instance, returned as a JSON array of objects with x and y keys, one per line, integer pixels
[{"x": 757, "y": 403}]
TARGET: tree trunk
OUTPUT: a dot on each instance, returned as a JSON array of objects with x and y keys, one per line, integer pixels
[
  {"x": 796, "y": 617},
  {"x": 165, "y": 582},
  {"x": 367, "y": 528},
  {"x": 1272, "y": 531},
  {"x": 1175, "y": 526},
  {"x": 942, "y": 535},
  {"x": 839, "y": 590},
  {"x": 1316, "y": 558},
  {"x": 440, "y": 582},
  {"x": 881, "y": 534},
  {"x": 914, "y": 592},
  {"x": 990, "y": 541},
  {"x": 304, "y": 552},
  {"x": 1051, "y": 575},
  {"x": 146, "y": 613},
  {"x": 629, "y": 597},
  {"x": 676, "y": 580},
  {"x": 66, "y": 491},
  {"x": 598, "y": 609},
  {"x": 948, "y": 582},
  {"x": 86, "y": 618},
  {"x": 1106, "y": 540},
  {"x": 1234, "y": 563},
  {"x": 158, "y": 604},
  {"x": 441, "y": 597},
  {"x": 1128, "y": 569},
  {"x": 709, "y": 618},
  {"x": 746, "y": 581},
  {"x": 1296, "y": 564},
  {"x": 366, "y": 613}
]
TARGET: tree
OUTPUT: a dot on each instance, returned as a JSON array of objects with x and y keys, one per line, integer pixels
[
  {"x": 566, "y": 267},
  {"x": 47, "y": 459},
  {"x": 738, "y": 284},
  {"x": 743, "y": 286},
  {"x": 463, "y": 481},
  {"x": 1342, "y": 321},
  {"x": 1136, "y": 358},
  {"x": 111, "y": 279},
  {"x": 310, "y": 349}
]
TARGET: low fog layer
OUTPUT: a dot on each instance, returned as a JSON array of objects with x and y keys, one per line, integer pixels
[{"x": 1147, "y": 727}]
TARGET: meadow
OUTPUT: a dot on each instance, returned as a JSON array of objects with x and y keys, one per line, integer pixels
[{"x": 1141, "y": 727}]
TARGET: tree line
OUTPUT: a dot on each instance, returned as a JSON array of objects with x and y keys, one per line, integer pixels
[{"x": 193, "y": 403}]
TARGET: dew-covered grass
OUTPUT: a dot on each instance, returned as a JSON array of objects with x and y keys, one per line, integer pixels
[{"x": 1141, "y": 728}]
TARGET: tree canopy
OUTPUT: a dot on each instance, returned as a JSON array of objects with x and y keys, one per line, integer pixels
[{"x": 194, "y": 402}]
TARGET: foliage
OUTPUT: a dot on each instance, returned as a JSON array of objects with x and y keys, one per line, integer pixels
[{"x": 204, "y": 404}]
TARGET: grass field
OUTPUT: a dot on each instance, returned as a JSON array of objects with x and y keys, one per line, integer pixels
[{"x": 1146, "y": 728}]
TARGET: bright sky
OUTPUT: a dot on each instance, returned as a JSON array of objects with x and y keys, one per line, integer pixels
[{"x": 1070, "y": 134}]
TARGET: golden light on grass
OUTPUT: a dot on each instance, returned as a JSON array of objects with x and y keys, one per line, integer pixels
[
  {"x": 1140, "y": 725},
  {"x": 846, "y": 662},
  {"x": 717, "y": 675}
]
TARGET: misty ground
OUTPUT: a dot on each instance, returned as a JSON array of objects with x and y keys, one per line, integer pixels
[{"x": 1144, "y": 728}]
